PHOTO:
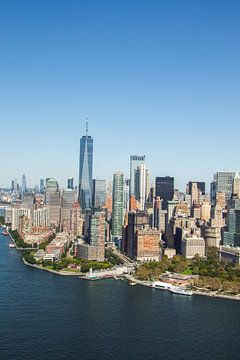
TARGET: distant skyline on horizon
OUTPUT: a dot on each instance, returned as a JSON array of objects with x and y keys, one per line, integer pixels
[{"x": 158, "y": 79}]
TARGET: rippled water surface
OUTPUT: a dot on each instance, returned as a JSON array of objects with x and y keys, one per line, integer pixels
[{"x": 46, "y": 316}]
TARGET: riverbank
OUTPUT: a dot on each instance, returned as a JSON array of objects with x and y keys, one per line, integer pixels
[
  {"x": 130, "y": 278},
  {"x": 63, "y": 273},
  {"x": 212, "y": 294},
  {"x": 18, "y": 248}
]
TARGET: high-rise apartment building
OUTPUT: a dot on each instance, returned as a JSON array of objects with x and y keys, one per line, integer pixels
[
  {"x": 17, "y": 213},
  {"x": 97, "y": 234},
  {"x": 165, "y": 189},
  {"x": 77, "y": 220},
  {"x": 85, "y": 171},
  {"x": 41, "y": 217},
  {"x": 118, "y": 205}
]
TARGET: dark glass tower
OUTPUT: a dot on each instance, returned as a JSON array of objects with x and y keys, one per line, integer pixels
[
  {"x": 85, "y": 171},
  {"x": 165, "y": 189}
]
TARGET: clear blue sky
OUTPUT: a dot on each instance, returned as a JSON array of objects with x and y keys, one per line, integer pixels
[{"x": 158, "y": 77}]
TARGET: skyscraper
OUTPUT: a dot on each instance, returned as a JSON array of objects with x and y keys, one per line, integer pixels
[
  {"x": 70, "y": 183},
  {"x": 85, "y": 171},
  {"x": 236, "y": 186},
  {"x": 53, "y": 201},
  {"x": 42, "y": 186},
  {"x": 135, "y": 162},
  {"x": 140, "y": 185},
  {"x": 99, "y": 193},
  {"x": 117, "y": 205},
  {"x": 232, "y": 235},
  {"x": 200, "y": 185},
  {"x": 67, "y": 201},
  {"x": 165, "y": 189},
  {"x": 24, "y": 184},
  {"x": 223, "y": 182}
]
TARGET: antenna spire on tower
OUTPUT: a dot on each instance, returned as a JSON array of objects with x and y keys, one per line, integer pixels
[{"x": 86, "y": 119}]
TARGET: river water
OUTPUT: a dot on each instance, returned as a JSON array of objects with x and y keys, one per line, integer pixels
[{"x": 46, "y": 316}]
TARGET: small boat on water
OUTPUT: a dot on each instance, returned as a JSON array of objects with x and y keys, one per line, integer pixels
[
  {"x": 11, "y": 245},
  {"x": 5, "y": 233},
  {"x": 132, "y": 283},
  {"x": 181, "y": 291}
]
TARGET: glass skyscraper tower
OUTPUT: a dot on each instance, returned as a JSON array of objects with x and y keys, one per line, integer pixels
[{"x": 85, "y": 171}]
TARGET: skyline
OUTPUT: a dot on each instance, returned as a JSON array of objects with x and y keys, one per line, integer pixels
[{"x": 158, "y": 79}]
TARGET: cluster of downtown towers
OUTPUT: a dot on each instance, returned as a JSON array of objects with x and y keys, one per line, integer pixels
[{"x": 137, "y": 186}]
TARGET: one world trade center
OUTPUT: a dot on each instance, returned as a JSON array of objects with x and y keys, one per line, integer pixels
[{"x": 85, "y": 171}]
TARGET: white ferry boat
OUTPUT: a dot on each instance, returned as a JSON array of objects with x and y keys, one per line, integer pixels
[
  {"x": 162, "y": 285},
  {"x": 181, "y": 291},
  {"x": 11, "y": 245}
]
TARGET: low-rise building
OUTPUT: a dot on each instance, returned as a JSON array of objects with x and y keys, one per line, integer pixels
[
  {"x": 170, "y": 253},
  {"x": 230, "y": 253}
]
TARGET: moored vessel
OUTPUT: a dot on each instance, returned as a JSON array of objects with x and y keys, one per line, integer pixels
[{"x": 181, "y": 291}]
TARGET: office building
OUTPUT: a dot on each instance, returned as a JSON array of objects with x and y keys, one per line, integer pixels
[
  {"x": 99, "y": 193},
  {"x": 70, "y": 184},
  {"x": 212, "y": 236},
  {"x": 28, "y": 201},
  {"x": 53, "y": 201},
  {"x": 200, "y": 186},
  {"x": 192, "y": 245},
  {"x": 24, "y": 184},
  {"x": 135, "y": 162},
  {"x": 147, "y": 244},
  {"x": 85, "y": 171},
  {"x": 67, "y": 200},
  {"x": 140, "y": 185},
  {"x": 165, "y": 189},
  {"x": 42, "y": 186},
  {"x": 136, "y": 220},
  {"x": 223, "y": 182},
  {"x": 232, "y": 235},
  {"x": 236, "y": 187}
]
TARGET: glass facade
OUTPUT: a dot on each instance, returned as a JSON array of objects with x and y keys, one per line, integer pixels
[
  {"x": 85, "y": 172},
  {"x": 135, "y": 162},
  {"x": 232, "y": 236},
  {"x": 165, "y": 189},
  {"x": 99, "y": 193},
  {"x": 224, "y": 182}
]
